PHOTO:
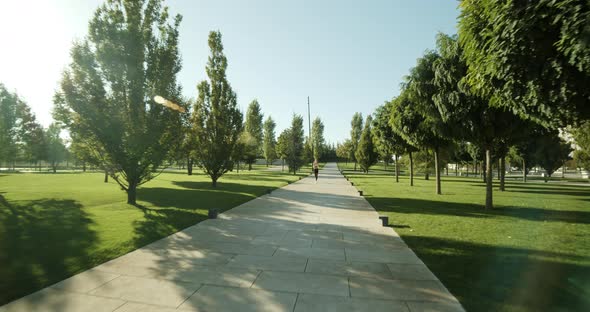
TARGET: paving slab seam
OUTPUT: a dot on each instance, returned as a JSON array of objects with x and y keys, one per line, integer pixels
[
  {"x": 187, "y": 298},
  {"x": 295, "y": 305}
]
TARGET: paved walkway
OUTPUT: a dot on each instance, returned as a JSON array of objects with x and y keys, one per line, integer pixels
[{"x": 305, "y": 247}]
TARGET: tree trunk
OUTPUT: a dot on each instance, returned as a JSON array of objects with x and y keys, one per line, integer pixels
[
  {"x": 523, "y": 170},
  {"x": 84, "y": 167},
  {"x": 249, "y": 166},
  {"x": 488, "y": 174},
  {"x": 457, "y": 169},
  {"x": 411, "y": 170},
  {"x": 502, "y": 172},
  {"x": 355, "y": 166},
  {"x": 396, "y": 169},
  {"x": 447, "y": 169},
  {"x": 282, "y": 165},
  {"x": 53, "y": 166},
  {"x": 437, "y": 169},
  {"x": 106, "y": 176},
  {"x": 563, "y": 169},
  {"x": 189, "y": 166},
  {"x": 214, "y": 181},
  {"x": 238, "y": 169},
  {"x": 498, "y": 169},
  {"x": 484, "y": 169},
  {"x": 475, "y": 167},
  {"x": 132, "y": 193}
]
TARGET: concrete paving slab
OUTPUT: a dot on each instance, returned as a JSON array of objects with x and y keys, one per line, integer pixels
[
  {"x": 421, "y": 306},
  {"x": 366, "y": 269},
  {"x": 276, "y": 263},
  {"x": 322, "y": 303},
  {"x": 312, "y": 253},
  {"x": 399, "y": 290},
  {"x": 85, "y": 281},
  {"x": 147, "y": 290},
  {"x": 215, "y": 275},
  {"x": 411, "y": 271},
  {"x": 309, "y": 283},
  {"x": 141, "y": 307},
  {"x": 53, "y": 300},
  {"x": 222, "y": 299},
  {"x": 401, "y": 255}
]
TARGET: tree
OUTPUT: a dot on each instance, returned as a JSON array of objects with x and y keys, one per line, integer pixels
[
  {"x": 474, "y": 120},
  {"x": 8, "y": 125},
  {"x": 269, "y": 144},
  {"x": 404, "y": 119},
  {"x": 317, "y": 137},
  {"x": 551, "y": 152},
  {"x": 294, "y": 147},
  {"x": 248, "y": 148},
  {"x": 356, "y": 130},
  {"x": 130, "y": 56},
  {"x": 217, "y": 122},
  {"x": 343, "y": 150},
  {"x": 383, "y": 135},
  {"x": 282, "y": 146},
  {"x": 366, "y": 154},
  {"x": 253, "y": 125},
  {"x": 434, "y": 131},
  {"x": 56, "y": 150},
  {"x": 531, "y": 57},
  {"x": 581, "y": 137}
]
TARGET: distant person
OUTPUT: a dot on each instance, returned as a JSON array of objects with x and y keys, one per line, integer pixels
[{"x": 316, "y": 169}]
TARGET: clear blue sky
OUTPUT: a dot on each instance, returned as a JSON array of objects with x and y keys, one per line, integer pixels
[{"x": 348, "y": 56}]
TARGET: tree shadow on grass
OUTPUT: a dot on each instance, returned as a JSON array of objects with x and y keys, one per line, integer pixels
[
  {"x": 421, "y": 206},
  {"x": 41, "y": 242},
  {"x": 492, "y": 278}
]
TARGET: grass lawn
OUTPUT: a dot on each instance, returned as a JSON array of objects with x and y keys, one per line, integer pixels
[
  {"x": 531, "y": 253},
  {"x": 55, "y": 225}
]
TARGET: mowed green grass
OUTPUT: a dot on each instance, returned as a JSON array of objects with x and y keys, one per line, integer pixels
[
  {"x": 55, "y": 225},
  {"x": 531, "y": 253}
]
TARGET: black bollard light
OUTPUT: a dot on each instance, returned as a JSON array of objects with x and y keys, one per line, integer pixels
[
  {"x": 213, "y": 213},
  {"x": 384, "y": 220}
]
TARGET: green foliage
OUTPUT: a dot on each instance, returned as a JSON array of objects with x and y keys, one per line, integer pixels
[
  {"x": 248, "y": 148},
  {"x": 294, "y": 144},
  {"x": 366, "y": 153},
  {"x": 56, "y": 150},
  {"x": 344, "y": 150},
  {"x": 216, "y": 120},
  {"x": 8, "y": 124},
  {"x": 531, "y": 57},
  {"x": 130, "y": 56},
  {"x": 283, "y": 143},
  {"x": 253, "y": 125},
  {"x": 581, "y": 137},
  {"x": 356, "y": 129},
  {"x": 551, "y": 152},
  {"x": 269, "y": 144},
  {"x": 317, "y": 137}
]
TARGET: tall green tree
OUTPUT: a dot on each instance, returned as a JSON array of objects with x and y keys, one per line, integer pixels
[
  {"x": 248, "y": 149},
  {"x": 217, "y": 121},
  {"x": 532, "y": 57},
  {"x": 366, "y": 153},
  {"x": 403, "y": 120},
  {"x": 551, "y": 152},
  {"x": 434, "y": 132},
  {"x": 282, "y": 147},
  {"x": 474, "y": 119},
  {"x": 581, "y": 135},
  {"x": 8, "y": 125},
  {"x": 356, "y": 129},
  {"x": 317, "y": 137},
  {"x": 56, "y": 149},
  {"x": 269, "y": 144},
  {"x": 253, "y": 123},
  {"x": 130, "y": 56},
  {"x": 295, "y": 144},
  {"x": 343, "y": 150}
]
